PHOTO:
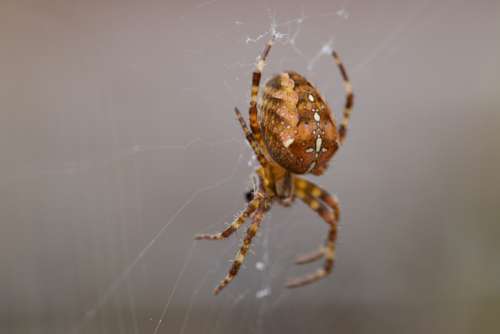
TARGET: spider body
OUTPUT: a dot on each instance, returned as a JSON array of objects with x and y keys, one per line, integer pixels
[
  {"x": 297, "y": 126},
  {"x": 292, "y": 132}
]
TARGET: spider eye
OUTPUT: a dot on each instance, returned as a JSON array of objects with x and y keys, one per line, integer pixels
[{"x": 249, "y": 195}]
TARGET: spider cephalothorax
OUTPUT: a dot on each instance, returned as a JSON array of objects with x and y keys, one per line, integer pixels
[{"x": 292, "y": 131}]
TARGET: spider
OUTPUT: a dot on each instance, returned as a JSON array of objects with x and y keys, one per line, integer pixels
[{"x": 292, "y": 132}]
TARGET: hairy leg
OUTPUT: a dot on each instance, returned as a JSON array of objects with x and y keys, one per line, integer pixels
[
  {"x": 236, "y": 224},
  {"x": 254, "y": 144},
  {"x": 256, "y": 75},
  {"x": 314, "y": 197},
  {"x": 240, "y": 256}
]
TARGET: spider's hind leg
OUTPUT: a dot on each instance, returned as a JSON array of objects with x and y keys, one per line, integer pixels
[
  {"x": 314, "y": 197},
  {"x": 256, "y": 76},
  {"x": 252, "y": 141},
  {"x": 349, "y": 99},
  {"x": 310, "y": 257},
  {"x": 318, "y": 194}
]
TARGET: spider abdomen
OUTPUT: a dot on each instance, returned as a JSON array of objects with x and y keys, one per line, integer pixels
[{"x": 298, "y": 128}]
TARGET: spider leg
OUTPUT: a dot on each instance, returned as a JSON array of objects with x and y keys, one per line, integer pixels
[
  {"x": 349, "y": 98},
  {"x": 237, "y": 223},
  {"x": 310, "y": 194},
  {"x": 319, "y": 194},
  {"x": 256, "y": 75},
  {"x": 310, "y": 257},
  {"x": 240, "y": 256},
  {"x": 251, "y": 139},
  {"x": 315, "y": 191}
]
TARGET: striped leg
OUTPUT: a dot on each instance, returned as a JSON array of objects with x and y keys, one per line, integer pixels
[
  {"x": 310, "y": 194},
  {"x": 251, "y": 139},
  {"x": 254, "y": 123},
  {"x": 240, "y": 256},
  {"x": 236, "y": 224},
  {"x": 349, "y": 98},
  {"x": 317, "y": 193}
]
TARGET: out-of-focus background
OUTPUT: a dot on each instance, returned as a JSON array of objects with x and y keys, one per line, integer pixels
[{"x": 118, "y": 143}]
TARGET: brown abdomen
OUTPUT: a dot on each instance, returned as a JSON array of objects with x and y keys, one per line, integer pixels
[{"x": 297, "y": 126}]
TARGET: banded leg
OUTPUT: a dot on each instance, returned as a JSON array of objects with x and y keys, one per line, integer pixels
[
  {"x": 330, "y": 217},
  {"x": 240, "y": 256},
  {"x": 349, "y": 98},
  {"x": 251, "y": 139},
  {"x": 236, "y": 224},
  {"x": 317, "y": 193},
  {"x": 256, "y": 75}
]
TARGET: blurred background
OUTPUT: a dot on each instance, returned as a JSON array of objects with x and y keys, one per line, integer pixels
[{"x": 119, "y": 143}]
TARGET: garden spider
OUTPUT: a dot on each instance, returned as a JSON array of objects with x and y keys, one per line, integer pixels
[{"x": 292, "y": 132}]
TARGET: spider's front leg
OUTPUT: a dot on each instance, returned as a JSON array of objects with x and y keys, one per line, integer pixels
[
  {"x": 240, "y": 255},
  {"x": 236, "y": 224},
  {"x": 314, "y": 197}
]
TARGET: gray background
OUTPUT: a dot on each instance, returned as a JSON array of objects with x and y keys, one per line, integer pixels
[{"x": 118, "y": 143}]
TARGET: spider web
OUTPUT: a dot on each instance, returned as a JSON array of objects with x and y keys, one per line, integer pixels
[
  {"x": 173, "y": 74},
  {"x": 121, "y": 284},
  {"x": 288, "y": 34}
]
